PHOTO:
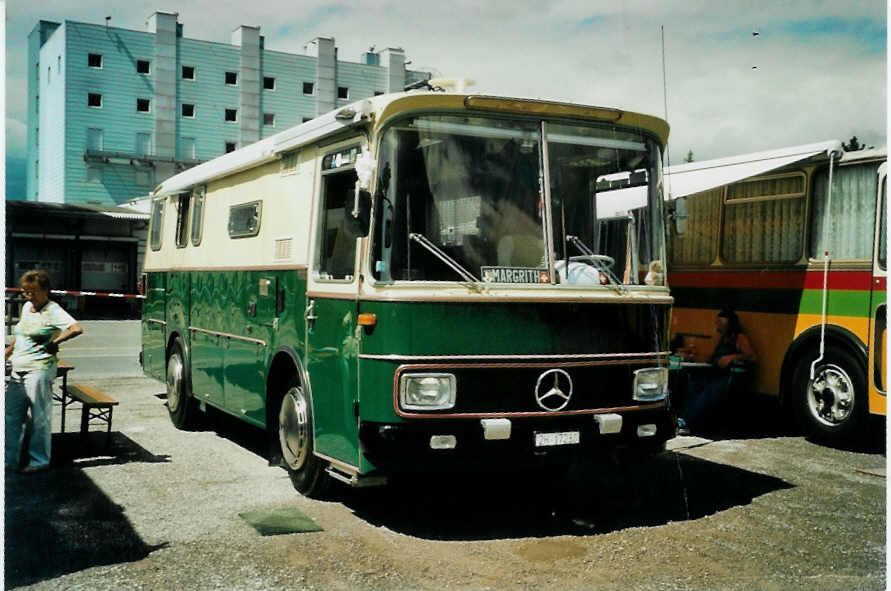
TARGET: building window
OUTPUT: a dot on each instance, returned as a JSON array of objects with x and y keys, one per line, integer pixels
[
  {"x": 188, "y": 149},
  {"x": 188, "y": 72},
  {"x": 268, "y": 83},
  {"x": 142, "y": 105},
  {"x": 269, "y": 119},
  {"x": 143, "y": 67},
  {"x": 94, "y": 174},
  {"x": 142, "y": 177},
  {"x": 343, "y": 92},
  {"x": 231, "y": 115},
  {"x": 308, "y": 87},
  {"x": 230, "y": 147},
  {"x": 94, "y": 60},
  {"x": 94, "y": 100},
  {"x": 231, "y": 78},
  {"x": 95, "y": 139},
  {"x": 143, "y": 144},
  {"x": 188, "y": 110}
]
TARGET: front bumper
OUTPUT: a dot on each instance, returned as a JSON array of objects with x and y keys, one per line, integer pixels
[{"x": 397, "y": 447}]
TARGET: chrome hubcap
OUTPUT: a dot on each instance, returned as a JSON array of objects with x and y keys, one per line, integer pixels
[
  {"x": 293, "y": 428},
  {"x": 174, "y": 382},
  {"x": 831, "y": 395}
]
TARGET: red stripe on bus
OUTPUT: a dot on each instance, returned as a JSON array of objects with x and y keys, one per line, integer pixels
[{"x": 770, "y": 279}]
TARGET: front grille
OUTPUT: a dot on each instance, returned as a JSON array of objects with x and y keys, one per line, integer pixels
[{"x": 510, "y": 388}]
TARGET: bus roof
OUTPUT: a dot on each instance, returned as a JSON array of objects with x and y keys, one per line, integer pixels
[{"x": 378, "y": 109}]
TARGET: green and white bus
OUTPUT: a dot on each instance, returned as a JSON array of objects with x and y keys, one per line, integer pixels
[{"x": 419, "y": 281}]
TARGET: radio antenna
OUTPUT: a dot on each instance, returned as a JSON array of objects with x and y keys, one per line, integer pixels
[{"x": 665, "y": 101}]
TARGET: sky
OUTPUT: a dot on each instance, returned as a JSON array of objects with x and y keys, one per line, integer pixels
[{"x": 815, "y": 70}]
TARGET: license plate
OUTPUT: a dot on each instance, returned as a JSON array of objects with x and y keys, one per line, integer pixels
[{"x": 564, "y": 438}]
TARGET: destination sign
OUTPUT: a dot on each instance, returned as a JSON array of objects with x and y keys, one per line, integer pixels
[{"x": 514, "y": 275}]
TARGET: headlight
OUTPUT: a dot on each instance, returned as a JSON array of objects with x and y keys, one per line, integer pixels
[
  {"x": 650, "y": 384},
  {"x": 427, "y": 391}
]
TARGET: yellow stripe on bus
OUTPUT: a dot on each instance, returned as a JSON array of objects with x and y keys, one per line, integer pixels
[{"x": 770, "y": 334}]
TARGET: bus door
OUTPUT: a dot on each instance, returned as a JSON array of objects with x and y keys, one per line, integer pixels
[
  {"x": 332, "y": 343},
  {"x": 245, "y": 357},
  {"x": 207, "y": 345},
  {"x": 154, "y": 325},
  {"x": 878, "y": 304}
]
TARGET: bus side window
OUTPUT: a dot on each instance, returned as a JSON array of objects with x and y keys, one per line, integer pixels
[
  {"x": 337, "y": 244},
  {"x": 182, "y": 214},
  {"x": 197, "y": 215},
  {"x": 157, "y": 223}
]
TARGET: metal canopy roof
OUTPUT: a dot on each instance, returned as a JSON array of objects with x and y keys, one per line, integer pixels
[{"x": 687, "y": 179}]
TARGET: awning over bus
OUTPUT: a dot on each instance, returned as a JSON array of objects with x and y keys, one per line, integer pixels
[
  {"x": 695, "y": 177},
  {"x": 687, "y": 179}
]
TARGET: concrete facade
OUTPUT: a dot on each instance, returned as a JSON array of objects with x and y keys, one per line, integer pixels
[{"x": 113, "y": 112}]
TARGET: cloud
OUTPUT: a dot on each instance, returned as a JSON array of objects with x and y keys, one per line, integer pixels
[{"x": 820, "y": 66}]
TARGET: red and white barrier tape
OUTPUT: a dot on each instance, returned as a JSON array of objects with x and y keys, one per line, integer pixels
[{"x": 100, "y": 294}]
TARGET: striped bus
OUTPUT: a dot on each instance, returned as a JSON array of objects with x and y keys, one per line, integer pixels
[
  {"x": 795, "y": 241},
  {"x": 418, "y": 281}
]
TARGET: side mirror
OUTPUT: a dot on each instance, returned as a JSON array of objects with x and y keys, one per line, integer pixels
[
  {"x": 679, "y": 214},
  {"x": 359, "y": 218}
]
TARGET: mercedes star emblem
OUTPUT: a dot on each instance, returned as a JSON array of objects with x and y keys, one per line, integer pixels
[{"x": 553, "y": 390}]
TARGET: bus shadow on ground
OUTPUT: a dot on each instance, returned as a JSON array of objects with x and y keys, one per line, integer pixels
[
  {"x": 59, "y": 522},
  {"x": 591, "y": 499}
]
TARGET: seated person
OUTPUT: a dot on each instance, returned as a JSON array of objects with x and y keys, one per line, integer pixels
[
  {"x": 733, "y": 349},
  {"x": 579, "y": 273},
  {"x": 520, "y": 250}
]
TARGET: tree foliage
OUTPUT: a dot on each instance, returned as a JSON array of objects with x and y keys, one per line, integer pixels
[{"x": 854, "y": 144}]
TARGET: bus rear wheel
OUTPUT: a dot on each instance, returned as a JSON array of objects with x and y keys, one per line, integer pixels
[
  {"x": 295, "y": 435},
  {"x": 180, "y": 404},
  {"x": 833, "y": 406}
]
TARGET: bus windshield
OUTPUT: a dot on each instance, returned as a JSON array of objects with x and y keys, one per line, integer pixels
[{"x": 462, "y": 198}]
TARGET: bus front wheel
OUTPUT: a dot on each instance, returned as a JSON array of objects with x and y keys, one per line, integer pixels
[
  {"x": 833, "y": 405},
  {"x": 179, "y": 398},
  {"x": 295, "y": 435}
]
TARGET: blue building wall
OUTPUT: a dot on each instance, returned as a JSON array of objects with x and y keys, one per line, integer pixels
[
  {"x": 116, "y": 121},
  {"x": 107, "y": 154},
  {"x": 52, "y": 133}
]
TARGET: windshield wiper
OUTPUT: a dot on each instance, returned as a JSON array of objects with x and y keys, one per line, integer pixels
[
  {"x": 602, "y": 267},
  {"x": 438, "y": 253}
]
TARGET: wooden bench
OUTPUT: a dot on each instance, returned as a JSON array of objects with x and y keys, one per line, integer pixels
[{"x": 95, "y": 404}]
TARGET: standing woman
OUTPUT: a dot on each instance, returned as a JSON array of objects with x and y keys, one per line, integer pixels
[{"x": 43, "y": 325}]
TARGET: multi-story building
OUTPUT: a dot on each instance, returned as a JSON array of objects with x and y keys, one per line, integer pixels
[{"x": 113, "y": 112}]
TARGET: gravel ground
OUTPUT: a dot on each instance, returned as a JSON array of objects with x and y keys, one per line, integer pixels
[{"x": 159, "y": 510}]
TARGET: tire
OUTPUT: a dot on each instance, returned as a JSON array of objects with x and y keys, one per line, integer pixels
[
  {"x": 295, "y": 437},
  {"x": 834, "y": 406},
  {"x": 180, "y": 403}
]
